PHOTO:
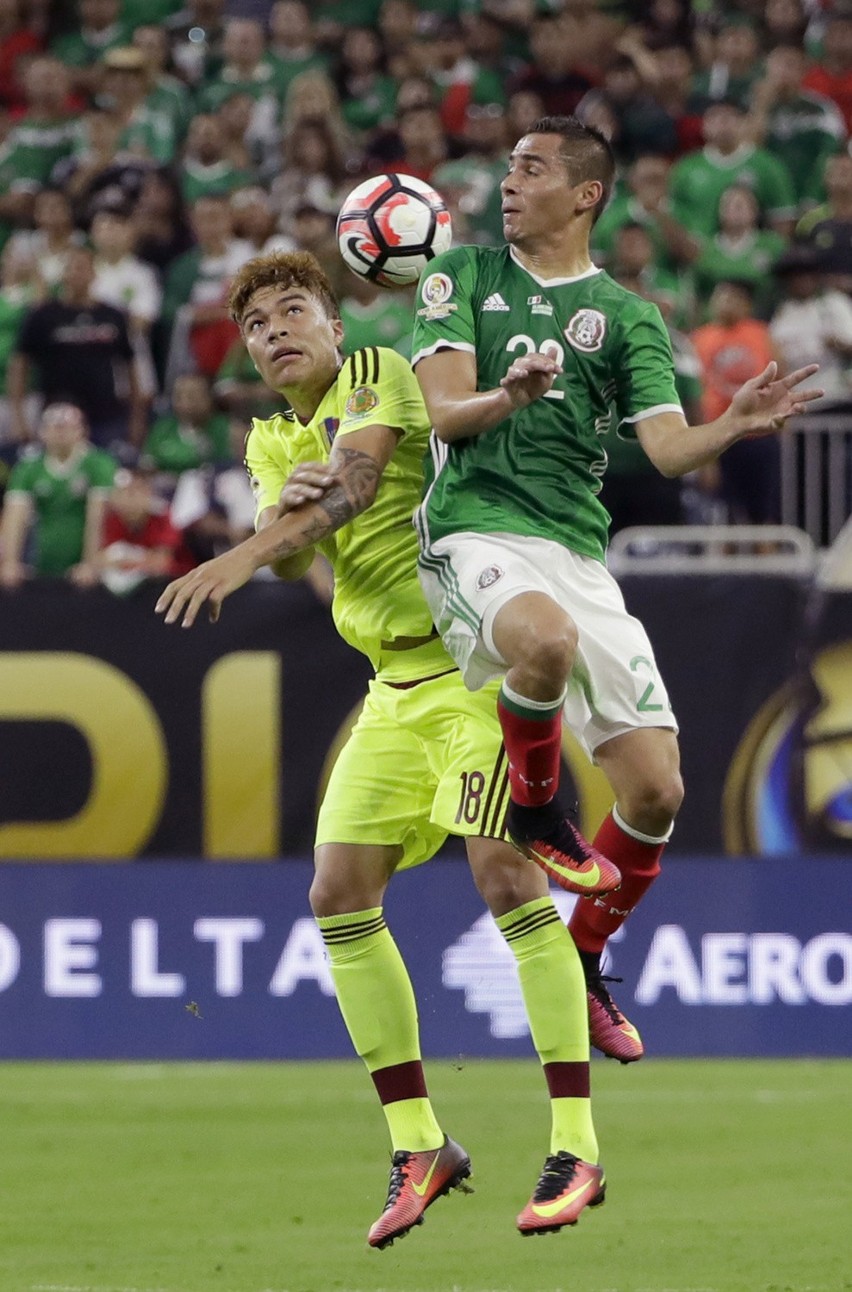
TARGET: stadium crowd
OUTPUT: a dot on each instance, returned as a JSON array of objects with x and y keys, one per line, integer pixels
[{"x": 149, "y": 149}]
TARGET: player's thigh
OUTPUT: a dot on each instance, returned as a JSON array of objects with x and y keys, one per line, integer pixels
[
  {"x": 382, "y": 786},
  {"x": 615, "y": 685},
  {"x": 468, "y": 761},
  {"x": 468, "y": 579},
  {"x": 643, "y": 768}
]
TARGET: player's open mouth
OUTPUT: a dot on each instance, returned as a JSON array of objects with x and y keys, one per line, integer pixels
[{"x": 283, "y": 352}]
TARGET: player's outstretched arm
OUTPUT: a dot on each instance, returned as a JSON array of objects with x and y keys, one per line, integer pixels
[
  {"x": 457, "y": 410},
  {"x": 761, "y": 406},
  {"x": 357, "y": 462}
]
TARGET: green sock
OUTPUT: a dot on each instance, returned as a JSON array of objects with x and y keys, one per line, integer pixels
[
  {"x": 377, "y": 1003},
  {"x": 554, "y": 991}
]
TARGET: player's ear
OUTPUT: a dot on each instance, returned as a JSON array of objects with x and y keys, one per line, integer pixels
[
  {"x": 337, "y": 329},
  {"x": 590, "y": 194}
]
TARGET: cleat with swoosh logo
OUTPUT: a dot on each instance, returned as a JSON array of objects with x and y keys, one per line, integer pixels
[
  {"x": 416, "y": 1181},
  {"x": 609, "y": 1031},
  {"x": 566, "y": 1186},
  {"x": 566, "y": 857}
]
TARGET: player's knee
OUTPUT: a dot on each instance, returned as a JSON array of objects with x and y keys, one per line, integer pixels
[
  {"x": 549, "y": 650},
  {"x": 653, "y": 803},
  {"x": 505, "y": 880},
  {"x": 335, "y": 895}
]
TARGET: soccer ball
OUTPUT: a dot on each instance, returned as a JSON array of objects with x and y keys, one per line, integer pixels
[{"x": 390, "y": 227}]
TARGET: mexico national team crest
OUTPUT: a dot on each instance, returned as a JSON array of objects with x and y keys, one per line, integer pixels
[
  {"x": 586, "y": 330},
  {"x": 488, "y": 576},
  {"x": 361, "y": 402}
]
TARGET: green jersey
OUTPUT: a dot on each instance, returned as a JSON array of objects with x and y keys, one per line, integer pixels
[
  {"x": 698, "y": 180},
  {"x": 538, "y": 472},
  {"x": 59, "y": 491},
  {"x": 377, "y": 596}
]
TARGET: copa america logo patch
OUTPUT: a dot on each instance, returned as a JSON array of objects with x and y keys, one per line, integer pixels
[
  {"x": 586, "y": 330},
  {"x": 436, "y": 289},
  {"x": 489, "y": 575}
]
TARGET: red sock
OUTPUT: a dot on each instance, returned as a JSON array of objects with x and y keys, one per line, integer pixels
[
  {"x": 595, "y": 918},
  {"x": 534, "y": 751}
]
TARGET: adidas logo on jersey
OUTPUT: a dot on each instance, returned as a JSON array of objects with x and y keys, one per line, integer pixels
[{"x": 494, "y": 302}]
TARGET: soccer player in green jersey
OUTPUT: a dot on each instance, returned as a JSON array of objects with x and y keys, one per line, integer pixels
[
  {"x": 525, "y": 354},
  {"x": 343, "y": 472}
]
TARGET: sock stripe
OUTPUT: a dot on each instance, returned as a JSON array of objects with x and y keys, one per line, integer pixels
[
  {"x": 400, "y": 1081},
  {"x": 354, "y": 931},
  {"x": 531, "y": 923}
]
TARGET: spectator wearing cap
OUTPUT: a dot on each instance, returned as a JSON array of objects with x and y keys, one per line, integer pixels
[
  {"x": 832, "y": 74},
  {"x": 803, "y": 129},
  {"x": 829, "y": 227},
  {"x": 813, "y": 324},
  {"x": 698, "y": 180},
  {"x": 146, "y": 131},
  {"x": 80, "y": 351},
  {"x": 82, "y": 49},
  {"x": 735, "y": 64},
  {"x": 140, "y": 540},
  {"x": 40, "y": 138},
  {"x": 293, "y": 45}
]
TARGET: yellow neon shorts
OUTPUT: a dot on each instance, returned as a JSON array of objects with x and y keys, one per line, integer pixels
[{"x": 420, "y": 764}]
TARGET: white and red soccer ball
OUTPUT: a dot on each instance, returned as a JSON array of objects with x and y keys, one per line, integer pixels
[{"x": 390, "y": 227}]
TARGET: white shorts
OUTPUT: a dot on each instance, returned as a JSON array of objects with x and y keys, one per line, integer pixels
[{"x": 614, "y": 686}]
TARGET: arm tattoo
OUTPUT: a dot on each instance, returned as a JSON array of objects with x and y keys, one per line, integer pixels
[{"x": 359, "y": 479}]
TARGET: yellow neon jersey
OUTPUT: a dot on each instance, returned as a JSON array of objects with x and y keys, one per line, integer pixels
[{"x": 377, "y": 596}]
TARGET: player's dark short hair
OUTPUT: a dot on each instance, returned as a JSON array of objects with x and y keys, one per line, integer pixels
[
  {"x": 585, "y": 149},
  {"x": 281, "y": 269}
]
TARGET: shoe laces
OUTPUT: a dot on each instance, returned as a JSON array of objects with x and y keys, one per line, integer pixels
[
  {"x": 398, "y": 1176},
  {"x": 556, "y": 1175},
  {"x": 595, "y": 984}
]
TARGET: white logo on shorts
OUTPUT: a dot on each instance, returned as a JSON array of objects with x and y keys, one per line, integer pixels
[{"x": 489, "y": 575}]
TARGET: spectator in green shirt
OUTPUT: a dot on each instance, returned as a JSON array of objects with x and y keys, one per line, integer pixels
[
  {"x": 100, "y": 28},
  {"x": 800, "y": 127},
  {"x": 59, "y": 489},
  {"x": 35, "y": 143},
  {"x": 293, "y": 46},
  {"x": 698, "y": 180},
  {"x": 192, "y": 434},
  {"x": 740, "y": 250},
  {"x": 205, "y": 169}
]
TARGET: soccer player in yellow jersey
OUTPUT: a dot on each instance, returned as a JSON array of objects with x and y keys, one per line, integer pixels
[{"x": 342, "y": 473}]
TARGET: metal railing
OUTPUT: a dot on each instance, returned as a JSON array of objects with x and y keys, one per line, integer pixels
[
  {"x": 712, "y": 549},
  {"x": 816, "y": 474}
]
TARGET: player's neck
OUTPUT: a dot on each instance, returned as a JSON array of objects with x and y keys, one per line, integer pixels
[
  {"x": 555, "y": 257},
  {"x": 306, "y": 397}
]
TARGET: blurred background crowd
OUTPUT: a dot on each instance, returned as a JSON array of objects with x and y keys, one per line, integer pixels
[{"x": 149, "y": 148}]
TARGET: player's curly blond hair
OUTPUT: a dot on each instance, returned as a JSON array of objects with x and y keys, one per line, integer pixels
[{"x": 281, "y": 269}]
